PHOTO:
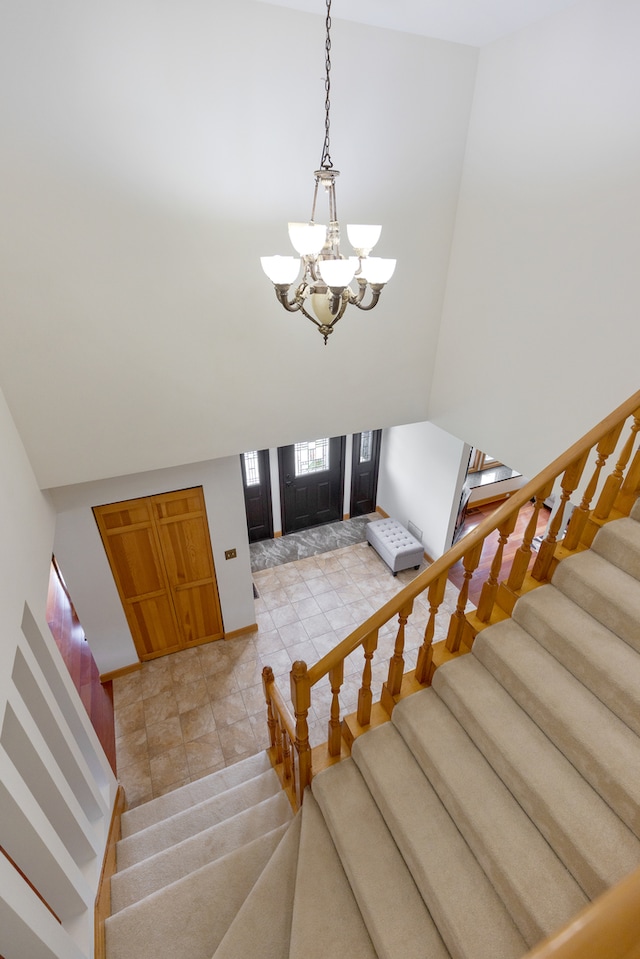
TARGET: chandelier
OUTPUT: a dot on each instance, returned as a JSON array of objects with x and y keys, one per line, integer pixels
[{"x": 324, "y": 288}]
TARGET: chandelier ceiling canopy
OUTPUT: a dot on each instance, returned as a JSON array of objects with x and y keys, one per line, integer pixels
[{"x": 324, "y": 291}]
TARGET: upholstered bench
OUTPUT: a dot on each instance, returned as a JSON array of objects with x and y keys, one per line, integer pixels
[{"x": 391, "y": 541}]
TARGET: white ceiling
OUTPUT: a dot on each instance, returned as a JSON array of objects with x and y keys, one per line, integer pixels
[{"x": 474, "y": 22}]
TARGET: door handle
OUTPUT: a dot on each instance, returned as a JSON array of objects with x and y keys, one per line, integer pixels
[{"x": 288, "y": 481}]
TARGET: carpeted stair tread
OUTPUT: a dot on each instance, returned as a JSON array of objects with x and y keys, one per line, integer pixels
[
  {"x": 603, "y": 748},
  {"x": 470, "y": 916},
  {"x": 602, "y": 661},
  {"x": 188, "y": 822},
  {"x": 619, "y": 543},
  {"x": 149, "y": 875},
  {"x": 396, "y": 917},
  {"x": 535, "y": 886},
  {"x": 193, "y": 793},
  {"x": 262, "y": 927},
  {"x": 327, "y": 923},
  {"x": 604, "y": 591},
  {"x": 191, "y": 916},
  {"x": 586, "y": 834}
]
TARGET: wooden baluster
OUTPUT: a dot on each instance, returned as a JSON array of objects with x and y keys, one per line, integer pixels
[
  {"x": 278, "y": 742},
  {"x": 396, "y": 663},
  {"x": 424, "y": 671},
  {"x": 267, "y": 680},
  {"x": 614, "y": 482},
  {"x": 369, "y": 646},
  {"x": 294, "y": 770},
  {"x": 458, "y": 619},
  {"x": 490, "y": 588},
  {"x": 334, "y": 735},
  {"x": 301, "y": 699},
  {"x": 579, "y": 517},
  {"x": 630, "y": 488},
  {"x": 286, "y": 754},
  {"x": 569, "y": 482},
  {"x": 521, "y": 559}
]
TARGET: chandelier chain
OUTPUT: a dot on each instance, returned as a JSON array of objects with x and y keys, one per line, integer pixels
[{"x": 327, "y": 163}]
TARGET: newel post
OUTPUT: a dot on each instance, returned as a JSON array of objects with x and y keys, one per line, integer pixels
[{"x": 301, "y": 699}]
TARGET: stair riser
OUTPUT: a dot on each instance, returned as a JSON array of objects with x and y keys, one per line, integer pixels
[
  {"x": 619, "y": 543},
  {"x": 513, "y": 854},
  {"x": 468, "y": 912},
  {"x": 541, "y": 779},
  {"x": 189, "y": 822},
  {"x": 600, "y": 746},
  {"x": 598, "y": 658},
  {"x": 606, "y": 593}
]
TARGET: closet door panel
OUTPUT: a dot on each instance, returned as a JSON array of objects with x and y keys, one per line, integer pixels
[
  {"x": 186, "y": 548},
  {"x": 155, "y": 626},
  {"x": 134, "y": 553}
]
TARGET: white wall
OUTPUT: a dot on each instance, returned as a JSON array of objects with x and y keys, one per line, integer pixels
[
  {"x": 52, "y": 766},
  {"x": 80, "y": 553},
  {"x": 151, "y": 154},
  {"x": 540, "y": 334},
  {"x": 422, "y": 470}
]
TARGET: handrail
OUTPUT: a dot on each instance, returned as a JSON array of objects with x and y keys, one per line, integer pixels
[
  {"x": 478, "y": 535},
  {"x": 285, "y": 731},
  {"x": 608, "y": 928}
]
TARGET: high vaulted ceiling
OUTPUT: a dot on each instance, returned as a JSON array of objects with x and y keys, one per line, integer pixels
[{"x": 474, "y": 22}]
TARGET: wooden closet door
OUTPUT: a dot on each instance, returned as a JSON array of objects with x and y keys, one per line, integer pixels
[
  {"x": 159, "y": 551},
  {"x": 131, "y": 542},
  {"x": 183, "y": 532}
]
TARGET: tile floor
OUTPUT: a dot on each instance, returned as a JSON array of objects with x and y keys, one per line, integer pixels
[{"x": 186, "y": 715}]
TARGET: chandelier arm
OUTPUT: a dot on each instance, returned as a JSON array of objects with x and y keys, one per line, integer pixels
[
  {"x": 375, "y": 296},
  {"x": 291, "y": 306},
  {"x": 315, "y": 198}
]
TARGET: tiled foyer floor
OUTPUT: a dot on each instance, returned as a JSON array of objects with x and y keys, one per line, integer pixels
[{"x": 184, "y": 716}]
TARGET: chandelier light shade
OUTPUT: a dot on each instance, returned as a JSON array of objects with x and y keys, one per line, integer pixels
[{"x": 322, "y": 274}]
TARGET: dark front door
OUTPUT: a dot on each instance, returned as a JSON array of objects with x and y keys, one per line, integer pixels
[
  {"x": 364, "y": 472},
  {"x": 311, "y": 483},
  {"x": 256, "y": 480}
]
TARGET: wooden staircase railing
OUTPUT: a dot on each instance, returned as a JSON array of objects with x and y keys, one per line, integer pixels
[
  {"x": 608, "y": 928},
  {"x": 583, "y": 464}
]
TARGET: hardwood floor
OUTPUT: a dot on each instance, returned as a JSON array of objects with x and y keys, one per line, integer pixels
[
  {"x": 473, "y": 519},
  {"x": 70, "y": 639}
]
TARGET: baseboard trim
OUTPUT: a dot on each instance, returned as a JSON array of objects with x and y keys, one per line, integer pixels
[
  {"x": 380, "y": 510},
  {"x": 253, "y": 628},
  {"x": 479, "y": 503},
  {"x": 102, "y": 909},
  {"x": 116, "y": 673}
]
